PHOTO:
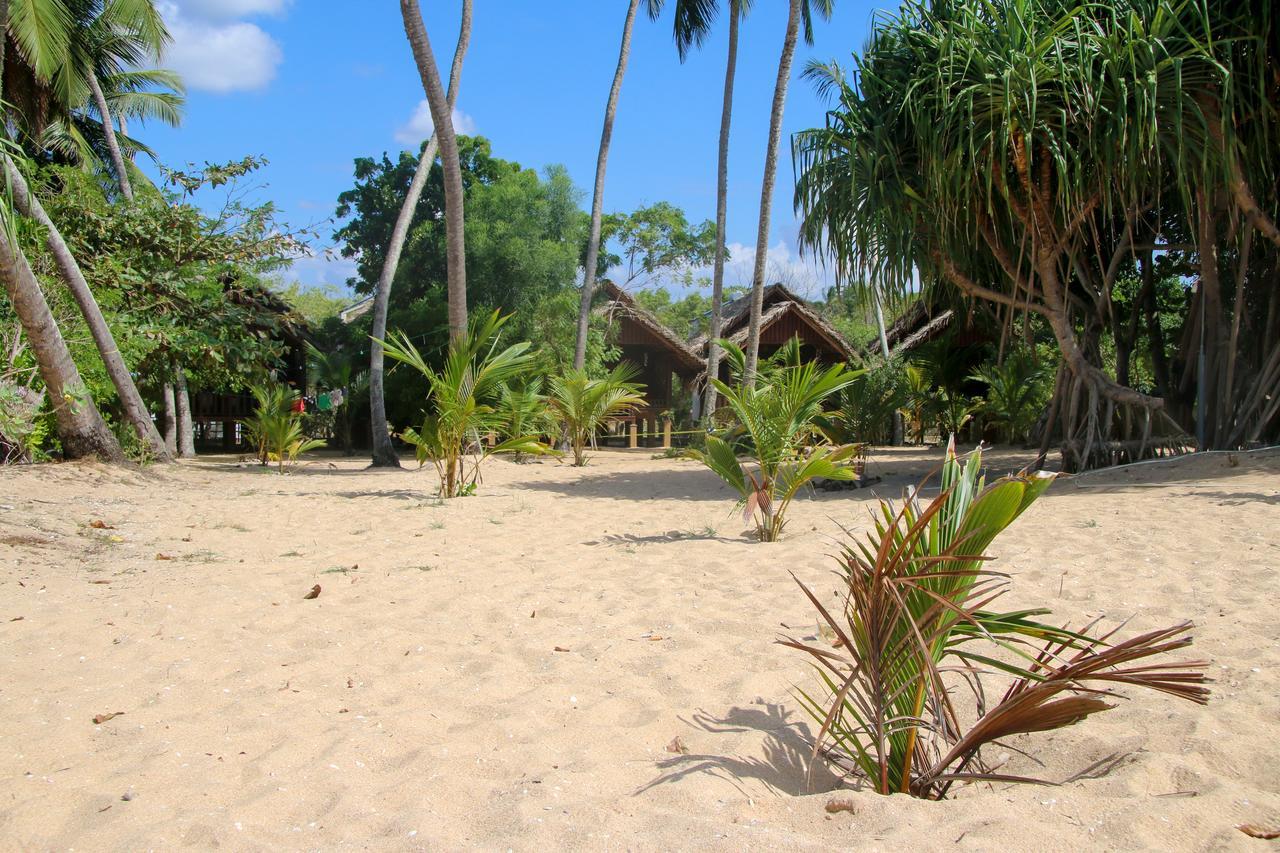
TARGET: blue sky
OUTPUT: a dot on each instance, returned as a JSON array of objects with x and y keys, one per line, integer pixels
[{"x": 313, "y": 84}]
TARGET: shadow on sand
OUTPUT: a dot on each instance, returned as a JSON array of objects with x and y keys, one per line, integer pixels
[{"x": 784, "y": 768}]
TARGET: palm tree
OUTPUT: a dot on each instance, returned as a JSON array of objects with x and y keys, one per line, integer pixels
[
  {"x": 442, "y": 120},
  {"x": 135, "y": 410},
  {"x": 798, "y": 12},
  {"x": 597, "y": 196},
  {"x": 692, "y": 24},
  {"x": 95, "y": 41},
  {"x": 384, "y": 451},
  {"x": 68, "y": 50},
  {"x": 582, "y": 404},
  {"x": 81, "y": 429}
]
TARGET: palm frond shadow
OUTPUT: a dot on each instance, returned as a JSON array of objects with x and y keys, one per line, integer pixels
[
  {"x": 784, "y": 765},
  {"x": 659, "y": 538}
]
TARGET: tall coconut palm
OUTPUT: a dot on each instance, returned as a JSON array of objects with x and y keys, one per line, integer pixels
[
  {"x": 68, "y": 50},
  {"x": 81, "y": 429},
  {"x": 799, "y": 12},
  {"x": 384, "y": 451},
  {"x": 135, "y": 410},
  {"x": 95, "y": 40},
  {"x": 442, "y": 120},
  {"x": 692, "y": 24},
  {"x": 597, "y": 196}
]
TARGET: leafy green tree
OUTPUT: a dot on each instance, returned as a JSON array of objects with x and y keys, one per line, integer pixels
[{"x": 655, "y": 242}]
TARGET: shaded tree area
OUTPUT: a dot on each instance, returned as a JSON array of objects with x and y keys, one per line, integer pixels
[{"x": 1105, "y": 173}]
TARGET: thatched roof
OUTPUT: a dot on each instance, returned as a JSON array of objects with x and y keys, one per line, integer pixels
[
  {"x": 356, "y": 310},
  {"x": 622, "y": 305},
  {"x": 914, "y": 327},
  {"x": 778, "y": 302}
]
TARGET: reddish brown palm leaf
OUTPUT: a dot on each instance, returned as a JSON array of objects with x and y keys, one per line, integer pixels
[{"x": 1030, "y": 705}]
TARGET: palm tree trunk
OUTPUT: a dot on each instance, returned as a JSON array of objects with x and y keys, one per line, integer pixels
[
  {"x": 766, "y": 190},
  {"x": 109, "y": 132},
  {"x": 384, "y": 451},
  {"x": 186, "y": 429},
  {"x": 442, "y": 119},
  {"x": 81, "y": 429},
  {"x": 597, "y": 197},
  {"x": 135, "y": 409},
  {"x": 722, "y": 206},
  {"x": 170, "y": 419}
]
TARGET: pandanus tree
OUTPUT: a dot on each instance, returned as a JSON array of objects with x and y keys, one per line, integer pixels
[
  {"x": 1024, "y": 154},
  {"x": 799, "y": 13},
  {"x": 384, "y": 451}
]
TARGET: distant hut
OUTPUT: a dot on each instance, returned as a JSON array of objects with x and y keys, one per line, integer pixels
[
  {"x": 216, "y": 415},
  {"x": 914, "y": 327},
  {"x": 667, "y": 364},
  {"x": 783, "y": 317}
]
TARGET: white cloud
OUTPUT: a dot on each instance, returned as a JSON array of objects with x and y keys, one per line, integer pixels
[
  {"x": 804, "y": 276},
  {"x": 419, "y": 126},
  {"x": 324, "y": 267},
  {"x": 214, "y": 51}
]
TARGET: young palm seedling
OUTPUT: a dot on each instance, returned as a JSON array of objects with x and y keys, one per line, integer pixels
[
  {"x": 916, "y": 630},
  {"x": 276, "y": 429},
  {"x": 582, "y": 405},
  {"x": 776, "y": 418},
  {"x": 462, "y": 395}
]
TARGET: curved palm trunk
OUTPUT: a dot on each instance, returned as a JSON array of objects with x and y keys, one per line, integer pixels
[
  {"x": 597, "y": 198},
  {"x": 109, "y": 132},
  {"x": 384, "y": 451},
  {"x": 81, "y": 429},
  {"x": 766, "y": 190},
  {"x": 722, "y": 205},
  {"x": 442, "y": 119},
  {"x": 135, "y": 409}
]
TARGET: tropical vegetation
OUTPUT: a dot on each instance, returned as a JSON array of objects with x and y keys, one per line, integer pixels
[
  {"x": 915, "y": 634},
  {"x": 775, "y": 428}
]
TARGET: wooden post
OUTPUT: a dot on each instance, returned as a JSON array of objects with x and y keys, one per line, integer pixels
[
  {"x": 632, "y": 443},
  {"x": 666, "y": 434},
  {"x": 491, "y": 439}
]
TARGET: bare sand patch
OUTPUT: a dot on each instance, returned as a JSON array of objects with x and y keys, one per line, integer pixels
[{"x": 509, "y": 669}]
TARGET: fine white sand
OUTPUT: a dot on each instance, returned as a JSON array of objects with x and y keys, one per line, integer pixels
[{"x": 421, "y": 702}]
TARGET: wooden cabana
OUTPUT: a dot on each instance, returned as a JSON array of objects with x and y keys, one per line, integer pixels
[
  {"x": 667, "y": 364},
  {"x": 784, "y": 316}
]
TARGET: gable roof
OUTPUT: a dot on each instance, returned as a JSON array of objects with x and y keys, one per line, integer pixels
[
  {"x": 778, "y": 302},
  {"x": 913, "y": 328},
  {"x": 623, "y": 304}
]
